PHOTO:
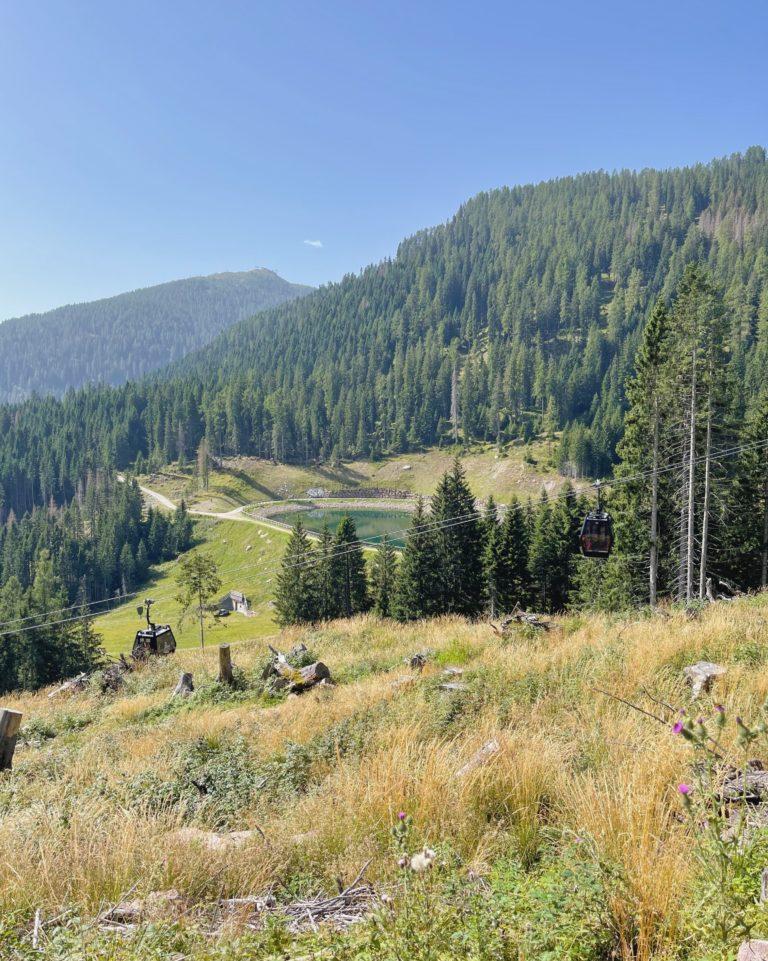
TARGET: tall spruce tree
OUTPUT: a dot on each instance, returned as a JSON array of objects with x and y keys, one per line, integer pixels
[
  {"x": 296, "y": 596},
  {"x": 458, "y": 534},
  {"x": 325, "y": 583},
  {"x": 349, "y": 574},
  {"x": 416, "y": 592},
  {"x": 494, "y": 571},
  {"x": 514, "y": 584},
  {"x": 384, "y": 577}
]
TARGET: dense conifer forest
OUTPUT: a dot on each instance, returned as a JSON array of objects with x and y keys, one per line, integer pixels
[
  {"x": 523, "y": 313},
  {"x": 625, "y": 314},
  {"x": 122, "y": 338}
]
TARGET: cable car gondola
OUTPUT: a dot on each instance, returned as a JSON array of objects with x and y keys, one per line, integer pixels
[{"x": 596, "y": 538}]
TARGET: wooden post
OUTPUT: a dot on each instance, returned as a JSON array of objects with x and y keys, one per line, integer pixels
[
  {"x": 225, "y": 665},
  {"x": 10, "y": 722},
  {"x": 185, "y": 686}
]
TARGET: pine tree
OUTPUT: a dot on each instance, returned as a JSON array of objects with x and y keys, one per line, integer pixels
[
  {"x": 327, "y": 597},
  {"x": 127, "y": 568},
  {"x": 349, "y": 574},
  {"x": 493, "y": 558},
  {"x": 87, "y": 643},
  {"x": 459, "y": 544},
  {"x": 296, "y": 596},
  {"x": 416, "y": 595},
  {"x": 514, "y": 579},
  {"x": 384, "y": 577}
]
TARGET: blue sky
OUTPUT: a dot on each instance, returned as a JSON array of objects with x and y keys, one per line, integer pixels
[{"x": 145, "y": 141}]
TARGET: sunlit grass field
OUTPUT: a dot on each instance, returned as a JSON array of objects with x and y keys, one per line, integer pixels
[
  {"x": 251, "y": 571},
  {"x": 576, "y": 816}
]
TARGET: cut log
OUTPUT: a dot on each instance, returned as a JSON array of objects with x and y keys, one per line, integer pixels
[
  {"x": 212, "y": 841},
  {"x": 225, "y": 665},
  {"x": 113, "y": 676},
  {"x": 72, "y": 686},
  {"x": 185, "y": 686},
  {"x": 418, "y": 661},
  {"x": 296, "y": 679},
  {"x": 701, "y": 676},
  {"x": 10, "y": 722},
  {"x": 489, "y": 750},
  {"x": 519, "y": 616},
  {"x": 753, "y": 951},
  {"x": 453, "y": 672},
  {"x": 307, "y": 676}
]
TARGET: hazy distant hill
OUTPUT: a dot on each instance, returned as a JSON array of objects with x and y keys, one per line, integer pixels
[{"x": 121, "y": 338}]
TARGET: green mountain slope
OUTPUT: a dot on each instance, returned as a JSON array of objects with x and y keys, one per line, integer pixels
[
  {"x": 534, "y": 296},
  {"x": 121, "y": 338}
]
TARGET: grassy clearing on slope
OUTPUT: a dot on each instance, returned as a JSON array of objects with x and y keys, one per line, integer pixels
[
  {"x": 520, "y": 470},
  {"x": 252, "y": 571},
  {"x": 574, "y": 825}
]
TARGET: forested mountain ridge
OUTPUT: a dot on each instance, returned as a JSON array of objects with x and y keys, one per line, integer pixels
[
  {"x": 521, "y": 314},
  {"x": 535, "y": 296},
  {"x": 124, "y": 337}
]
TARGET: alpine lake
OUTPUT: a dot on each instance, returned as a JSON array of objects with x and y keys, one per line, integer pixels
[{"x": 371, "y": 523}]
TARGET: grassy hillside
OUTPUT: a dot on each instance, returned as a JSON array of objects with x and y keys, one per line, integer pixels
[
  {"x": 569, "y": 842},
  {"x": 250, "y": 570},
  {"x": 520, "y": 470}
]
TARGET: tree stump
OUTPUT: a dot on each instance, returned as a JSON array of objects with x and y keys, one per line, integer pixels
[
  {"x": 185, "y": 686},
  {"x": 10, "y": 722},
  {"x": 225, "y": 665}
]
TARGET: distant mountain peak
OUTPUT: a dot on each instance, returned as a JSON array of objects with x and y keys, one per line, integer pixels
[{"x": 125, "y": 336}]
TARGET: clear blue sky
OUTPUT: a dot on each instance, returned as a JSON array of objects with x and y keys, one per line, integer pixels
[{"x": 145, "y": 141}]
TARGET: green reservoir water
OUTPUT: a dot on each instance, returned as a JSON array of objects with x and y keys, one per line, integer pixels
[{"x": 371, "y": 524}]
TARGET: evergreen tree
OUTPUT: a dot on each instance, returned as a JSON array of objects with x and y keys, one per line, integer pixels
[
  {"x": 494, "y": 573},
  {"x": 127, "y": 568},
  {"x": 325, "y": 575},
  {"x": 458, "y": 536},
  {"x": 349, "y": 574},
  {"x": 384, "y": 577},
  {"x": 416, "y": 595},
  {"x": 296, "y": 596},
  {"x": 514, "y": 579}
]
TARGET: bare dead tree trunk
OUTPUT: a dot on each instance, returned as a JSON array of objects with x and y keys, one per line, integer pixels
[
  {"x": 654, "y": 568},
  {"x": 705, "y": 519},
  {"x": 691, "y": 519}
]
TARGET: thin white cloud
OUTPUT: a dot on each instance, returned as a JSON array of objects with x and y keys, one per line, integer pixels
[{"x": 313, "y": 243}]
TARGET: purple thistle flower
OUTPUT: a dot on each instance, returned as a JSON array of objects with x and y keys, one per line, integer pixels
[
  {"x": 684, "y": 789},
  {"x": 719, "y": 708},
  {"x": 677, "y": 728},
  {"x": 401, "y": 816},
  {"x": 699, "y": 720}
]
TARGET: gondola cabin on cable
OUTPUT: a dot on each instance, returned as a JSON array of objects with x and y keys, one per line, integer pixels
[
  {"x": 596, "y": 538},
  {"x": 154, "y": 639}
]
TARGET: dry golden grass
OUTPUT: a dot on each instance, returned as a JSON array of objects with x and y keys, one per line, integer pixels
[{"x": 571, "y": 762}]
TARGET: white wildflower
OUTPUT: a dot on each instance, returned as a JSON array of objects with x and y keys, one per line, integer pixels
[{"x": 422, "y": 860}]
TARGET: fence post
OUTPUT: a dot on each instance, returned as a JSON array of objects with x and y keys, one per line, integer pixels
[{"x": 10, "y": 722}]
